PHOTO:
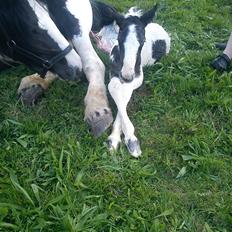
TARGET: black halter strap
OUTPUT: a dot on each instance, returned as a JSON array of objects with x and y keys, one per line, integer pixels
[{"x": 45, "y": 64}]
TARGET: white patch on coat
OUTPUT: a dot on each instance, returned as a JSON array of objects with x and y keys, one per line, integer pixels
[
  {"x": 134, "y": 11},
  {"x": 46, "y": 23},
  {"x": 131, "y": 46},
  {"x": 82, "y": 11},
  {"x": 112, "y": 58},
  {"x": 153, "y": 32}
]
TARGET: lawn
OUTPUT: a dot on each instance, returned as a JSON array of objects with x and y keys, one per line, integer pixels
[{"x": 54, "y": 176}]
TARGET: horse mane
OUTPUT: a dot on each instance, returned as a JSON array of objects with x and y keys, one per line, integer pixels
[
  {"x": 103, "y": 15},
  {"x": 134, "y": 11}
]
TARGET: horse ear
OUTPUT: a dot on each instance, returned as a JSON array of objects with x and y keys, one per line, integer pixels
[
  {"x": 119, "y": 19},
  {"x": 148, "y": 16}
]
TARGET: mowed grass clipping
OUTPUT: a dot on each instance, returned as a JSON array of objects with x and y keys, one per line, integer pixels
[{"x": 54, "y": 176}]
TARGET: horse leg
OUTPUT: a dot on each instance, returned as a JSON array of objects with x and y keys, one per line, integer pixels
[
  {"x": 115, "y": 138},
  {"x": 97, "y": 112},
  {"x": 32, "y": 87},
  {"x": 121, "y": 93}
]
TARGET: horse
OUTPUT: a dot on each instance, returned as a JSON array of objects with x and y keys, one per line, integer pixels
[
  {"x": 139, "y": 43},
  {"x": 52, "y": 39}
]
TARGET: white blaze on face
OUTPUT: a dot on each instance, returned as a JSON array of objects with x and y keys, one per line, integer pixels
[
  {"x": 131, "y": 47},
  {"x": 46, "y": 23}
]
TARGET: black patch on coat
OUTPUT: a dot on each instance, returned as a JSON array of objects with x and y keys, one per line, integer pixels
[
  {"x": 138, "y": 62},
  {"x": 116, "y": 64},
  {"x": 159, "y": 49},
  {"x": 64, "y": 20},
  {"x": 103, "y": 15}
]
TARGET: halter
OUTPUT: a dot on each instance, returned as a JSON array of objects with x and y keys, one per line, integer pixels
[{"x": 44, "y": 63}]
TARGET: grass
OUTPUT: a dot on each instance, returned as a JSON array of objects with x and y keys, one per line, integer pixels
[{"x": 54, "y": 176}]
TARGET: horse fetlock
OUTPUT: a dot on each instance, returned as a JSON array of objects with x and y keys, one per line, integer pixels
[{"x": 113, "y": 142}]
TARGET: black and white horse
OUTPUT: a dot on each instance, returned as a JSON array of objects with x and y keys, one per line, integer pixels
[
  {"x": 38, "y": 33},
  {"x": 135, "y": 43}
]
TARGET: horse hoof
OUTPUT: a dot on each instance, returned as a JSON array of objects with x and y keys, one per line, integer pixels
[
  {"x": 113, "y": 144},
  {"x": 99, "y": 121},
  {"x": 134, "y": 148},
  {"x": 30, "y": 96}
]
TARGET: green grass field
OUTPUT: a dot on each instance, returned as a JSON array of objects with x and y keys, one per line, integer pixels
[{"x": 54, "y": 176}]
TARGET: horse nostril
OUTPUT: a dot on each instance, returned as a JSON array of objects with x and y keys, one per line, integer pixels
[
  {"x": 128, "y": 78},
  {"x": 69, "y": 72}
]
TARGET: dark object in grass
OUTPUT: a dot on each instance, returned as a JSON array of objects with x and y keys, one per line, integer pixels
[
  {"x": 221, "y": 63},
  {"x": 220, "y": 46}
]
